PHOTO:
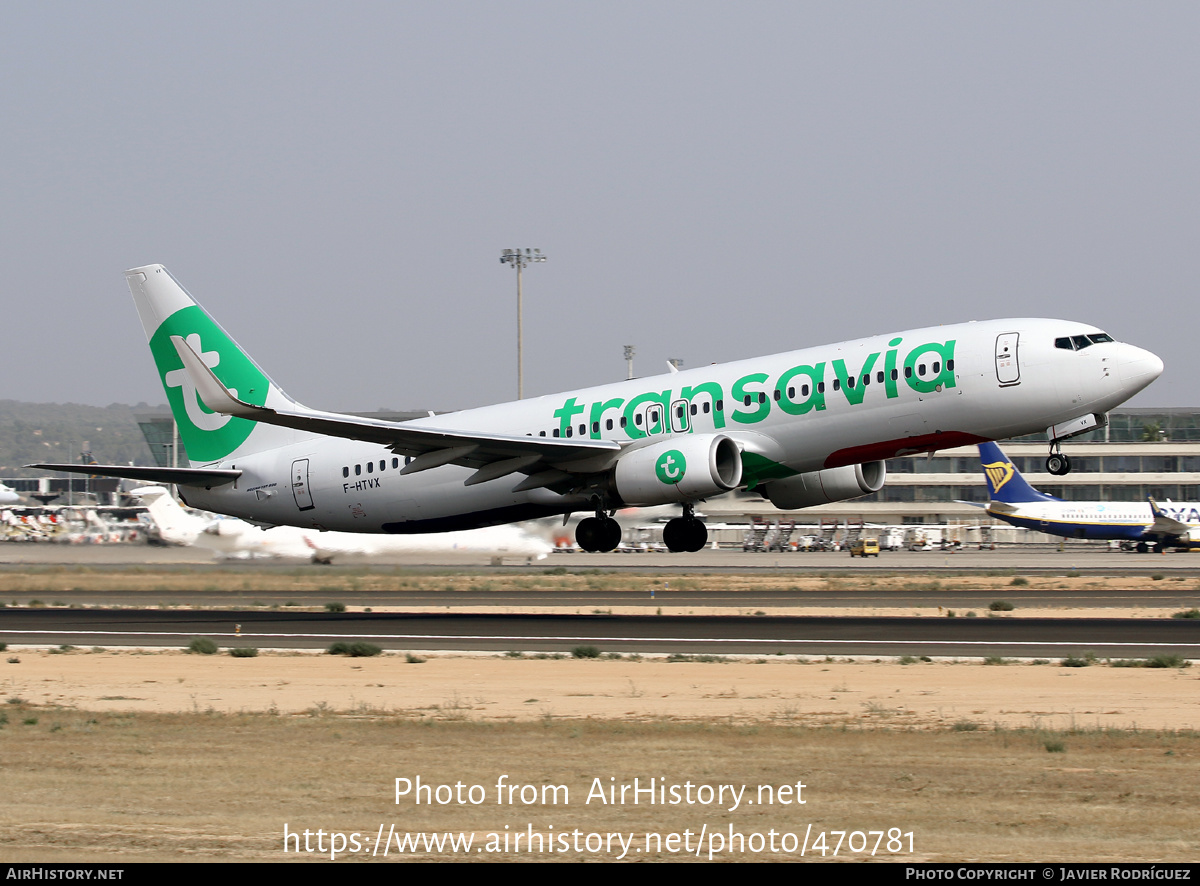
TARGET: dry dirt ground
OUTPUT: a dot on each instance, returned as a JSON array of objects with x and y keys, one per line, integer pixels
[
  {"x": 160, "y": 755},
  {"x": 129, "y": 756}
]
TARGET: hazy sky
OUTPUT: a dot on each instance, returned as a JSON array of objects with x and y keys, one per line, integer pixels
[{"x": 710, "y": 181}]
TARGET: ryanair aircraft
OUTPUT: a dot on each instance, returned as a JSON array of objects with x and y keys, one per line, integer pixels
[
  {"x": 1147, "y": 524},
  {"x": 806, "y": 427}
]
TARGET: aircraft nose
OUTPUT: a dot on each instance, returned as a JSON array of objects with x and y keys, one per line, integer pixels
[{"x": 1138, "y": 367}]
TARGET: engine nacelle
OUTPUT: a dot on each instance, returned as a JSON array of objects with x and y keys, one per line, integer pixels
[
  {"x": 679, "y": 469},
  {"x": 829, "y": 485}
]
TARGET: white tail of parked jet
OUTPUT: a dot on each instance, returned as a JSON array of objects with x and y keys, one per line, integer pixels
[{"x": 805, "y": 427}]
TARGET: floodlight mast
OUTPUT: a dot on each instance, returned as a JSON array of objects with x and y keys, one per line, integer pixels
[{"x": 519, "y": 258}]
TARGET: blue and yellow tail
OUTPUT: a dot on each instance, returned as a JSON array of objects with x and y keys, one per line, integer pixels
[{"x": 1004, "y": 481}]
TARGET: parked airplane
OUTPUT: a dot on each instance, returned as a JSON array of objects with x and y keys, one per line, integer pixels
[
  {"x": 231, "y": 537},
  {"x": 1014, "y": 501},
  {"x": 8, "y": 495},
  {"x": 807, "y": 427}
]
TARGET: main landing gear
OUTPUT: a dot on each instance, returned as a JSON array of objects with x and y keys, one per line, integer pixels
[
  {"x": 598, "y": 534},
  {"x": 685, "y": 533},
  {"x": 1057, "y": 464}
]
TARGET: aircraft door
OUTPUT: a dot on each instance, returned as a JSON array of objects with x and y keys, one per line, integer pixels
[
  {"x": 300, "y": 485},
  {"x": 1008, "y": 369},
  {"x": 679, "y": 416}
]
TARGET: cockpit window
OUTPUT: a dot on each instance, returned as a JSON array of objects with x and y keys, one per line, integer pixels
[{"x": 1079, "y": 342}]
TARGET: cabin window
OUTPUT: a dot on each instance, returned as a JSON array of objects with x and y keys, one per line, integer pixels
[
  {"x": 346, "y": 471},
  {"x": 608, "y": 424},
  {"x": 694, "y": 409},
  {"x": 937, "y": 367},
  {"x": 850, "y": 382},
  {"x": 541, "y": 433},
  {"x": 556, "y": 433},
  {"x": 895, "y": 374},
  {"x": 595, "y": 427},
  {"x": 879, "y": 376},
  {"x": 747, "y": 399},
  {"x": 706, "y": 405},
  {"x": 720, "y": 406},
  {"x": 637, "y": 419},
  {"x": 837, "y": 384},
  {"x": 820, "y": 387},
  {"x": 357, "y": 470},
  {"x": 624, "y": 421},
  {"x": 395, "y": 463},
  {"x": 778, "y": 394},
  {"x": 762, "y": 397},
  {"x": 370, "y": 467},
  {"x": 867, "y": 379},
  {"x": 908, "y": 372},
  {"x": 921, "y": 369},
  {"x": 950, "y": 365}
]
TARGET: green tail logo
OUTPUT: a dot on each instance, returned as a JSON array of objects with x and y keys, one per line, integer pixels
[{"x": 207, "y": 435}]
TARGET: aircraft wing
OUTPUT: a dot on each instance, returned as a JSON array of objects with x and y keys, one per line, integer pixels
[
  {"x": 206, "y": 477},
  {"x": 493, "y": 455},
  {"x": 1164, "y": 525}
]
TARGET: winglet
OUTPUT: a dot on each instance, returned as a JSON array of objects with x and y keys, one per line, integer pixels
[{"x": 215, "y": 395}]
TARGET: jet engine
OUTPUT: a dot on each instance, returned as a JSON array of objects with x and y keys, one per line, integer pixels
[
  {"x": 829, "y": 485},
  {"x": 679, "y": 469}
]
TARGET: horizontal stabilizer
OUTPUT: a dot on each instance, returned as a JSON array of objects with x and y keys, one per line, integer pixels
[
  {"x": 206, "y": 477},
  {"x": 1165, "y": 525}
]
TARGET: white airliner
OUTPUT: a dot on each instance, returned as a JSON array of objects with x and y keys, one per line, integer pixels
[
  {"x": 8, "y": 495},
  {"x": 1146, "y": 524},
  {"x": 230, "y": 537},
  {"x": 806, "y": 427}
]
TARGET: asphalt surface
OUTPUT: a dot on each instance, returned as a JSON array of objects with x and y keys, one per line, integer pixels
[{"x": 748, "y": 635}]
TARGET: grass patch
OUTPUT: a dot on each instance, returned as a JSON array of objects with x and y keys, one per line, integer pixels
[
  {"x": 356, "y": 649},
  {"x": 1019, "y": 582},
  {"x": 1001, "y": 606},
  {"x": 1186, "y": 613},
  {"x": 244, "y": 651},
  {"x": 335, "y": 607},
  {"x": 585, "y": 652},
  {"x": 202, "y": 646}
]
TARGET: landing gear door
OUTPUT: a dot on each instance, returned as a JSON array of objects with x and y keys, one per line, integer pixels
[
  {"x": 1008, "y": 370},
  {"x": 300, "y": 484}
]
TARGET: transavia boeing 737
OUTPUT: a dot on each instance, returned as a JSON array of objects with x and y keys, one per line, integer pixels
[
  {"x": 806, "y": 427},
  {"x": 1014, "y": 501}
]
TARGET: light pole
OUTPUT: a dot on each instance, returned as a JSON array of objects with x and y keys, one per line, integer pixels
[{"x": 519, "y": 259}]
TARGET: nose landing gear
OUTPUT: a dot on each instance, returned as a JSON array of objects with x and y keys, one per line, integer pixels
[{"x": 1057, "y": 463}]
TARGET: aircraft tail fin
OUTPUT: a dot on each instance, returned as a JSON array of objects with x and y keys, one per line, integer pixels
[
  {"x": 175, "y": 525},
  {"x": 168, "y": 312},
  {"x": 1004, "y": 481}
]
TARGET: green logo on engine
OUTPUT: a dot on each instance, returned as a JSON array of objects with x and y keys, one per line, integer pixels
[{"x": 670, "y": 467}]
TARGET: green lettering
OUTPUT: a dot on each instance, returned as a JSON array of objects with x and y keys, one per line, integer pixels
[
  {"x": 856, "y": 391},
  {"x": 814, "y": 400},
  {"x": 566, "y": 415},
  {"x": 889, "y": 370},
  {"x": 714, "y": 392},
  {"x": 929, "y": 354},
  {"x": 598, "y": 410},
  {"x": 631, "y": 409},
  {"x": 744, "y": 415}
]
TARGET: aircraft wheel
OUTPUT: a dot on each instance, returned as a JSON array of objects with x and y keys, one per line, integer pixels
[
  {"x": 610, "y": 534},
  {"x": 589, "y": 534},
  {"x": 675, "y": 536},
  {"x": 1142, "y": 547},
  {"x": 1058, "y": 464},
  {"x": 697, "y": 535}
]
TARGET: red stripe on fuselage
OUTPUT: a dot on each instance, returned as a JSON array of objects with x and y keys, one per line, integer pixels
[{"x": 856, "y": 455}]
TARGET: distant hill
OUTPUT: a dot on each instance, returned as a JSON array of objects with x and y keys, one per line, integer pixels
[{"x": 40, "y": 432}]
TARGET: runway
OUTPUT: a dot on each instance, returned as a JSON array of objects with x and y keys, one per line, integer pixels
[{"x": 743, "y": 635}]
